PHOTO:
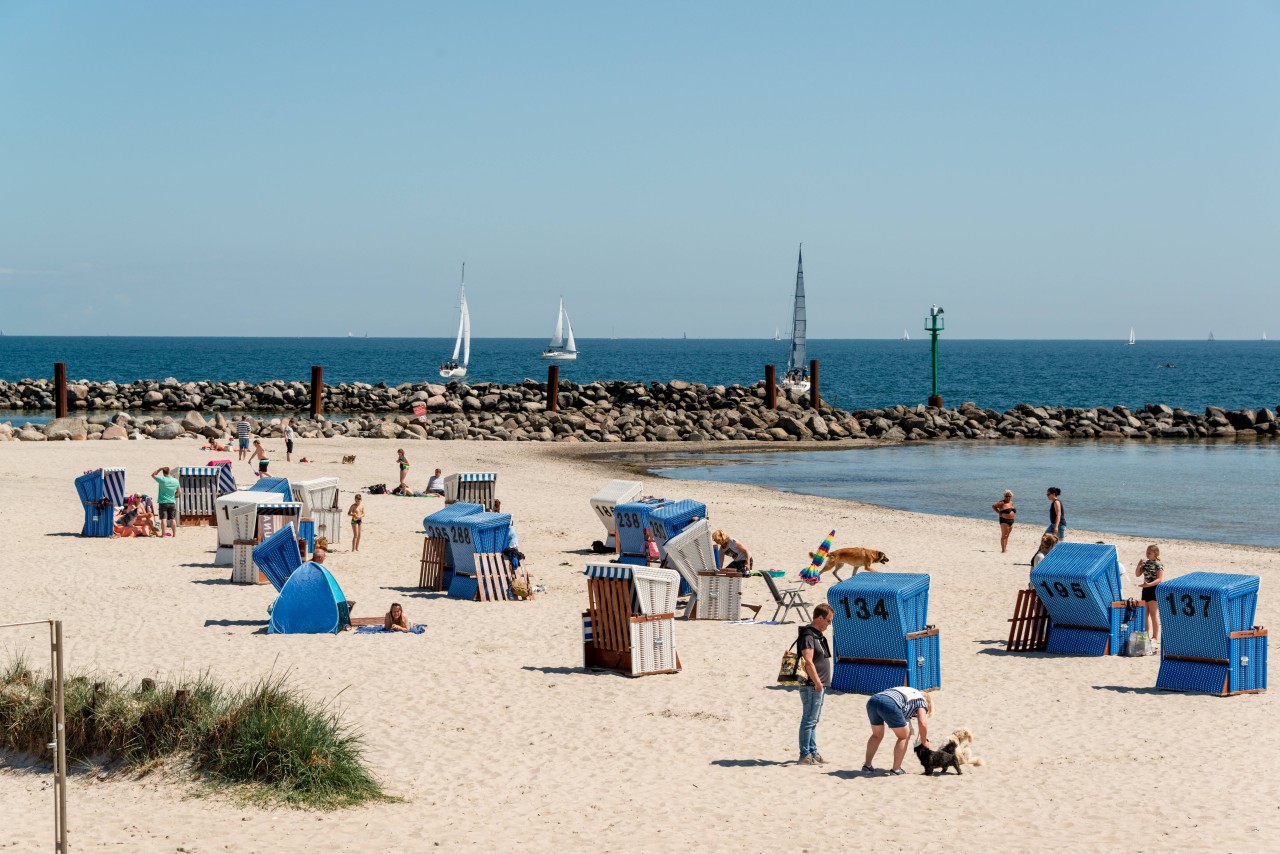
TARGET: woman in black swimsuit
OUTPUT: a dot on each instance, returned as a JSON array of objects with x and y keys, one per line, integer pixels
[{"x": 1005, "y": 512}]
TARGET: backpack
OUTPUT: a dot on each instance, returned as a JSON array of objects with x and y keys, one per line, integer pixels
[{"x": 377, "y": 489}]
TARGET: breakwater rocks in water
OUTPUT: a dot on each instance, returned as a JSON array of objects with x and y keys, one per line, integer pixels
[{"x": 594, "y": 412}]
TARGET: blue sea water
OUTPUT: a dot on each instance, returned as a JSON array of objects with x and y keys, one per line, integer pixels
[
  {"x": 1215, "y": 491},
  {"x": 854, "y": 374}
]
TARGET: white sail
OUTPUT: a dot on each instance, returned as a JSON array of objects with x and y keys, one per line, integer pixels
[
  {"x": 569, "y": 345},
  {"x": 462, "y": 344},
  {"x": 557, "y": 338},
  {"x": 1131, "y": 340},
  {"x": 905, "y": 336}
]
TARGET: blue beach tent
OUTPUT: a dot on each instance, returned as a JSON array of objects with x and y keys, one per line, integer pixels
[{"x": 310, "y": 603}]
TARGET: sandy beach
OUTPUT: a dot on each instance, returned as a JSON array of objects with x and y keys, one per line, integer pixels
[{"x": 494, "y": 736}]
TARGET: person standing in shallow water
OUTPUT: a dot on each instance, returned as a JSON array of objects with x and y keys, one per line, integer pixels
[
  {"x": 1005, "y": 512},
  {"x": 1057, "y": 515}
]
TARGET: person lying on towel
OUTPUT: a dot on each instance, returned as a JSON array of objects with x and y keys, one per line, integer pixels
[{"x": 395, "y": 620}]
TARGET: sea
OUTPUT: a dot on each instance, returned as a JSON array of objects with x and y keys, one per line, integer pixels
[{"x": 1216, "y": 491}]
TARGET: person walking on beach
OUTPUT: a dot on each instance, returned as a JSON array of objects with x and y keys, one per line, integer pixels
[
  {"x": 356, "y": 512},
  {"x": 403, "y": 462},
  {"x": 897, "y": 708},
  {"x": 289, "y": 436},
  {"x": 242, "y": 434},
  {"x": 1057, "y": 516},
  {"x": 816, "y": 657},
  {"x": 1005, "y": 511},
  {"x": 167, "y": 490},
  {"x": 259, "y": 453},
  {"x": 1151, "y": 571}
]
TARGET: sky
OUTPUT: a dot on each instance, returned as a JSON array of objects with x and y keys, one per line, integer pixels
[{"x": 1041, "y": 170}]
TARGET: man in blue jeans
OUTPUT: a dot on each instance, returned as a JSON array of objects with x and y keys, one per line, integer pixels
[{"x": 816, "y": 655}]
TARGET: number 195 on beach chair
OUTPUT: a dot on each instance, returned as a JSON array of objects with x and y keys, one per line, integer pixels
[{"x": 1208, "y": 642}]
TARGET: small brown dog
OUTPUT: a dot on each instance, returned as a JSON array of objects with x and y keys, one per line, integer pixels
[
  {"x": 858, "y": 558},
  {"x": 348, "y": 459}
]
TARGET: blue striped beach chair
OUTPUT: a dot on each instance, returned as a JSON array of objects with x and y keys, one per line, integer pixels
[
  {"x": 629, "y": 624},
  {"x": 632, "y": 519},
  {"x": 279, "y": 485},
  {"x": 881, "y": 634},
  {"x": 1078, "y": 582},
  {"x": 1208, "y": 642},
  {"x": 99, "y": 512},
  {"x": 470, "y": 535},
  {"x": 277, "y": 556},
  {"x": 226, "y": 478}
]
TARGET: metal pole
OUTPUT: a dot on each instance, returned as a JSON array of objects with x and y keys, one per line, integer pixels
[
  {"x": 770, "y": 387},
  {"x": 553, "y": 387},
  {"x": 60, "y": 389},
  {"x": 317, "y": 391},
  {"x": 59, "y": 738},
  {"x": 815, "y": 398}
]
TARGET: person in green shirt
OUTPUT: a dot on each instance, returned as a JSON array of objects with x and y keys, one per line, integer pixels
[{"x": 167, "y": 499}]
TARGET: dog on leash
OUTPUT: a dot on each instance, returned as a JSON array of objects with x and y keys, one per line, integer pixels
[
  {"x": 348, "y": 459},
  {"x": 858, "y": 558},
  {"x": 961, "y": 744},
  {"x": 942, "y": 759}
]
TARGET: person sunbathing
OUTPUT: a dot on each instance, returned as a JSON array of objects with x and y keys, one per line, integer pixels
[
  {"x": 134, "y": 520},
  {"x": 395, "y": 620}
]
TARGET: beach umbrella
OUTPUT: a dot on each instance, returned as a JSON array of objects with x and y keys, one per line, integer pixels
[{"x": 813, "y": 571}]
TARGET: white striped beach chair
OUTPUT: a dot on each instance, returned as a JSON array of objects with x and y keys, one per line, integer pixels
[
  {"x": 629, "y": 625},
  {"x": 320, "y": 493},
  {"x": 196, "y": 501},
  {"x": 615, "y": 492},
  {"x": 717, "y": 595},
  {"x": 473, "y": 488}
]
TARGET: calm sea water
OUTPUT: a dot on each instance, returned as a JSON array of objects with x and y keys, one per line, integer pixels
[
  {"x": 855, "y": 374},
  {"x": 1216, "y": 491}
]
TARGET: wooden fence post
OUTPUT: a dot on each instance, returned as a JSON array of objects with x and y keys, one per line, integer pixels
[
  {"x": 60, "y": 389},
  {"x": 317, "y": 391},
  {"x": 815, "y": 398},
  {"x": 770, "y": 387},
  {"x": 553, "y": 387}
]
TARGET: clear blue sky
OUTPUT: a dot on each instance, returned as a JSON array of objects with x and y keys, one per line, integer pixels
[{"x": 1042, "y": 170}]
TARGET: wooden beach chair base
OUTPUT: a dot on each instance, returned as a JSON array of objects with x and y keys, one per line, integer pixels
[
  {"x": 431, "y": 574},
  {"x": 1029, "y": 625}
]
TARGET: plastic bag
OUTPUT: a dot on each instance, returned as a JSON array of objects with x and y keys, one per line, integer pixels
[{"x": 1139, "y": 644}]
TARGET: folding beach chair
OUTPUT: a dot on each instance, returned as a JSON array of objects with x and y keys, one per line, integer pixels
[{"x": 788, "y": 599}]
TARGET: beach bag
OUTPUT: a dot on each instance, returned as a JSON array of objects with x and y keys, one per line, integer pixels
[
  {"x": 377, "y": 489},
  {"x": 792, "y": 671},
  {"x": 1139, "y": 644}
]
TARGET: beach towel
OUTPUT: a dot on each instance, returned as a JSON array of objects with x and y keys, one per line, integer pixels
[
  {"x": 813, "y": 571},
  {"x": 418, "y": 629}
]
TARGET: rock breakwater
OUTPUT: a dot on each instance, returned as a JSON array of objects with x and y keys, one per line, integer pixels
[{"x": 675, "y": 411}]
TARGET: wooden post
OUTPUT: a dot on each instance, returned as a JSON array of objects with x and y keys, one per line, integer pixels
[
  {"x": 60, "y": 389},
  {"x": 815, "y": 399},
  {"x": 770, "y": 387},
  {"x": 317, "y": 391},
  {"x": 553, "y": 387}
]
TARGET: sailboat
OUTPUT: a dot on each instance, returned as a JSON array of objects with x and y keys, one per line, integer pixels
[
  {"x": 562, "y": 347},
  {"x": 905, "y": 336},
  {"x": 454, "y": 368},
  {"x": 1131, "y": 340},
  {"x": 1264, "y": 336},
  {"x": 776, "y": 334},
  {"x": 797, "y": 376},
  {"x": 1210, "y": 334}
]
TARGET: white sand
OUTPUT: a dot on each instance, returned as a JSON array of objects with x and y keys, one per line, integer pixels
[{"x": 495, "y": 737}]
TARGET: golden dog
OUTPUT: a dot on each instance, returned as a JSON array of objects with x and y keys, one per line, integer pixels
[
  {"x": 963, "y": 741},
  {"x": 858, "y": 558}
]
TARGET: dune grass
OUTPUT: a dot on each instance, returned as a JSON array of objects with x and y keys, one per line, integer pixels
[{"x": 265, "y": 743}]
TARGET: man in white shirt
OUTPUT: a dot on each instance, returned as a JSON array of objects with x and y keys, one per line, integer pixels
[{"x": 435, "y": 485}]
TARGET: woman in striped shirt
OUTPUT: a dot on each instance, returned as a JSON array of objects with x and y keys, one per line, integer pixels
[{"x": 896, "y": 708}]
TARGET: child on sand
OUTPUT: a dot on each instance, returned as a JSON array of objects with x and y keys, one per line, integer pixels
[
  {"x": 403, "y": 462},
  {"x": 396, "y": 621},
  {"x": 356, "y": 512},
  {"x": 259, "y": 453},
  {"x": 1151, "y": 571}
]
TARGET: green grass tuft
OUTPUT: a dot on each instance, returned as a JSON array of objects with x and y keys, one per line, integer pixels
[{"x": 265, "y": 741}]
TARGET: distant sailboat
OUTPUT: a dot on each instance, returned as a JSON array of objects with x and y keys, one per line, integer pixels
[
  {"x": 776, "y": 335},
  {"x": 1131, "y": 340},
  {"x": 1264, "y": 336},
  {"x": 905, "y": 336},
  {"x": 562, "y": 347},
  {"x": 454, "y": 368},
  {"x": 797, "y": 375},
  {"x": 1210, "y": 334}
]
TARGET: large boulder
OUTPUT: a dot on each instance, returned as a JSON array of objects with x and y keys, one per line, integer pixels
[
  {"x": 114, "y": 431},
  {"x": 172, "y": 430},
  {"x": 30, "y": 434},
  {"x": 193, "y": 422},
  {"x": 61, "y": 429}
]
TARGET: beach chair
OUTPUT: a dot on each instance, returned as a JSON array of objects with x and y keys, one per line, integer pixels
[
  {"x": 787, "y": 600},
  {"x": 197, "y": 500},
  {"x": 493, "y": 577},
  {"x": 99, "y": 512},
  {"x": 278, "y": 556},
  {"x": 432, "y": 568},
  {"x": 1077, "y": 582},
  {"x": 1208, "y": 642},
  {"x": 319, "y": 493},
  {"x": 881, "y": 637},
  {"x": 472, "y": 488},
  {"x": 226, "y": 478},
  {"x": 231, "y": 507},
  {"x": 629, "y": 625},
  {"x": 615, "y": 492},
  {"x": 632, "y": 518},
  {"x": 692, "y": 555}
]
